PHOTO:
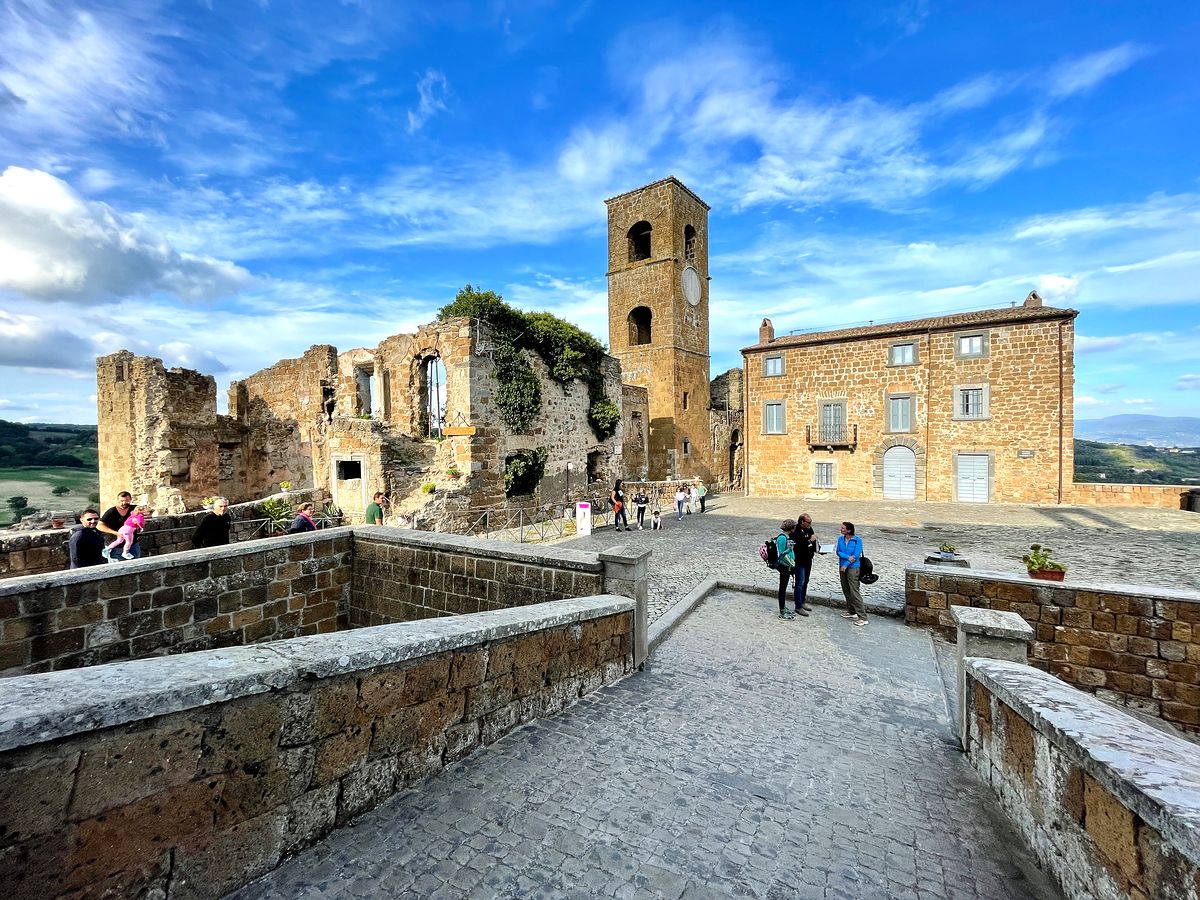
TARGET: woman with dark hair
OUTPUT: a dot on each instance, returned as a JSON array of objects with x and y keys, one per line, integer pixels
[
  {"x": 850, "y": 552},
  {"x": 617, "y": 498},
  {"x": 304, "y": 520}
]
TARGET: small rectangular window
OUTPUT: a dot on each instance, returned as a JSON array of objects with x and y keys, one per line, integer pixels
[
  {"x": 120, "y": 372},
  {"x": 900, "y": 414},
  {"x": 970, "y": 403},
  {"x": 773, "y": 422},
  {"x": 687, "y": 447},
  {"x": 968, "y": 346},
  {"x": 685, "y": 399},
  {"x": 903, "y": 354},
  {"x": 773, "y": 365},
  {"x": 823, "y": 475},
  {"x": 349, "y": 469}
]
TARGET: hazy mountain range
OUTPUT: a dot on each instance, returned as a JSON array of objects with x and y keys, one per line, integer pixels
[{"x": 1157, "y": 431}]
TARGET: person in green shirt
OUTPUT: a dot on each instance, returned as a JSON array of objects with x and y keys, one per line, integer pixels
[{"x": 375, "y": 509}]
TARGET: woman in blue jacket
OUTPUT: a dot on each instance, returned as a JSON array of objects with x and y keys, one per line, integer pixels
[{"x": 850, "y": 551}]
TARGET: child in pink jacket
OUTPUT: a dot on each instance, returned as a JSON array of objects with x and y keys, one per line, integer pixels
[{"x": 128, "y": 532}]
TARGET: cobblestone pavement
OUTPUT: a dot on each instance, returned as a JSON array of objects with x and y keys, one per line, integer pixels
[
  {"x": 1129, "y": 545},
  {"x": 753, "y": 758}
]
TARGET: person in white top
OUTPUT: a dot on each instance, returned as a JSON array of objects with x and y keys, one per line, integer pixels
[{"x": 680, "y": 500}]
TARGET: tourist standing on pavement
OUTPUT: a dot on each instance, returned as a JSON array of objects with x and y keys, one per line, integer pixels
[
  {"x": 641, "y": 501},
  {"x": 850, "y": 552},
  {"x": 213, "y": 530},
  {"x": 806, "y": 548},
  {"x": 680, "y": 502},
  {"x": 112, "y": 520},
  {"x": 693, "y": 499},
  {"x": 703, "y": 493},
  {"x": 374, "y": 515},
  {"x": 785, "y": 547},
  {"x": 86, "y": 546},
  {"x": 617, "y": 498}
]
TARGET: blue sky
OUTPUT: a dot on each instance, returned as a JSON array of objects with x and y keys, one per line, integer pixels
[{"x": 224, "y": 184}]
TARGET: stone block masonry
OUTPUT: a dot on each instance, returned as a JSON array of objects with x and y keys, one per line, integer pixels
[
  {"x": 241, "y": 594},
  {"x": 1154, "y": 496},
  {"x": 189, "y": 776},
  {"x": 1110, "y": 807},
  {"x": 401, "y": 575},
  {"x": 1137, "y": 646}
]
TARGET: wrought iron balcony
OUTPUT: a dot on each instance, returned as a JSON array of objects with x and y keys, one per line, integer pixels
[{"x": 831, "y": 437}]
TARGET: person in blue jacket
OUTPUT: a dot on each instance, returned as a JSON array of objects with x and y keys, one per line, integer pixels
[
  {"x": 850, "y": 552},
  {"x": 785, "y": 564}
]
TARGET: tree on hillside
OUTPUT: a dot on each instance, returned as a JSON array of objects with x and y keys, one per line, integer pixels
[
  {"x": 61, "y": 490},
  {"x": 17, "y": 503}
]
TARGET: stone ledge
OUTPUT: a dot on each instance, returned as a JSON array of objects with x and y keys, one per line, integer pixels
[
  {"x": 577, "y": 560},
  {"x": 24, "y": 583},
  {"x": 1151, "y": 592},
  {"x": 991, "y": 623},
  {"x": 1154, "y": 774},
  {"x": 38, "y": 708}
]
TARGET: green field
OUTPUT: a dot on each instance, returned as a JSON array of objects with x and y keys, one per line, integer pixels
[
  {"x": 36, "y": 483},
  {"x": 1130, "y": 464}
]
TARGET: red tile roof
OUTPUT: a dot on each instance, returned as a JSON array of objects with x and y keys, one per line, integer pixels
[{"x": 979, "y": 318}]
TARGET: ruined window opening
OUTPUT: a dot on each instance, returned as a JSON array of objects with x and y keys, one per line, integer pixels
[
  {"x": 635, "y": 429},
  {"x": 349, "y": 469},
  {"x": 593, "y": 466},
  {"x": 734, "y": 442},
  {"x": 364, "y": 379},
  {"x": 687, "y": 447},
  {"x": 640, "y": 330},
  {"x": 120, "y": 372},
  {"x": 689, "y": 243},
  {"x": 639, "y": 241},
  {"x": 387, "y": 396},
  {"x": 685, "y": 399},
  {"x": 433, "y": 397}
]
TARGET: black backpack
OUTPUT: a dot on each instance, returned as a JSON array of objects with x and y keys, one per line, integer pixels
[
  {"x": 866, "y": 571},
  {"x": 769, "y": 553}
]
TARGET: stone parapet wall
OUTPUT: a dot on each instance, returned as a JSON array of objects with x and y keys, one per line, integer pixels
[
  {"x": 1109, "y": 805},
  {"x": 401, "y": 575},
  {"x": 34, "y": 552},
  {"x": 1134, "y": 645},
  {"x": 189, "y": 776},
  {"x": 1155, "y": 496},
  {"x": 241, "y": 594}
]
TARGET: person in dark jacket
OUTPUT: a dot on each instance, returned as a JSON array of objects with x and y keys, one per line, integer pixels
[
  {"x": 806, "y": 549},
  {"x": 86, "y": 545},
  {"x": 304, "y": 520},
  {"x": 213, "y": 530}
]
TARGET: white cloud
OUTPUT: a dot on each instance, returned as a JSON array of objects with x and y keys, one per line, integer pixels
[
  {"x": 1058, "y": 289},
  {"x": 1087, "y": 401},
  {"x": 54, "y": 244},
  {"x": 181, "y": 353},
  {"x": 1086, "y": 344},
  {"x": 1108, "y": 388},
  {"x": 1137, "y": 401},
  {"x": 1188, "y": 382},
  {"x": 33, "y": 342},
  {"x": 431, "y": 91},
  {"x": 1083, "y": 74}
]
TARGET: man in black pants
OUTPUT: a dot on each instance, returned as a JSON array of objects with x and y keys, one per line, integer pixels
[{"x": 806, "y": 548}]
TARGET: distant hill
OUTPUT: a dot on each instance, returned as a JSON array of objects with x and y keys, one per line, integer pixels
[
  {"x": 1131, "y": 464},
  {"x": 1154, "y": 431},
  {"x": 73, "y": 446}
]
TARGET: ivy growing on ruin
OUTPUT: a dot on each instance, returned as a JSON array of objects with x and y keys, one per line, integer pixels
[
  {"x": 568, "y": 352},
  {"x": 523, "y": 470}
]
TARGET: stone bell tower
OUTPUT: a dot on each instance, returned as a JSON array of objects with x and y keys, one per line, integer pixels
[{"x": 658, "y": 317}]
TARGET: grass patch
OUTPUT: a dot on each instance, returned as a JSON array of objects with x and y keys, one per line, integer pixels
[{"x": 37, "y": 483}]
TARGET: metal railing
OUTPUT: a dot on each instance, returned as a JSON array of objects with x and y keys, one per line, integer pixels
[{"x": 831, "y": 436}]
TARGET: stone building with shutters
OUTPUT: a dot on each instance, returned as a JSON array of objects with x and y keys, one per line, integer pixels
[{"x": 972, "y": 407}]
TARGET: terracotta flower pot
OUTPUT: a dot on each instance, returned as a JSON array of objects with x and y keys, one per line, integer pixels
[{"x": 1047, "y": 574}]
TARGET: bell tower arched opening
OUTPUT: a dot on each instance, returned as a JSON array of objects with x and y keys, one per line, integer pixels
[
  {"x": 640, "y": 326},
  {"x": 639, "y": 241}
]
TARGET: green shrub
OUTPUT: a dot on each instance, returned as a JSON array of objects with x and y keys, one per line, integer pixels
[
  {"x": 277, "y": 509},
  {"x": 523, "y": 470},
  {"x": 61, "y": 490},
  {"x": 429, "y": 487},
  {"x": 569, "y": 353}
]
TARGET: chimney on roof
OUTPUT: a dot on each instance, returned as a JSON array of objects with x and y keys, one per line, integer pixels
[
  {"x": 766, "y": 332},
  {"x": 1034, "y": 299}
]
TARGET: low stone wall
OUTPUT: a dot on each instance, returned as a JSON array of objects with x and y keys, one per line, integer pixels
[
  {"x": 1134, "y": 645},
  {"x": 188, "y": 776},
  {"x": 1110, "y": 806},
  {"x": 34, "y": 552},
  {"x": 402, "y": 575},
  {"x": 241, "y": 594},
  {"x": 1156, "y": 496}
]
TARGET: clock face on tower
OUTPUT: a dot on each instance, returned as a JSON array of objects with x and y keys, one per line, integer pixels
[{"x": 691, "y": 286}]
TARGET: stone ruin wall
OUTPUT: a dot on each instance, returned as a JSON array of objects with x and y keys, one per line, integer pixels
[
  {"x": 635, "y": 419},
  {"x": 350, "y": 424},
  {"x": 727, "y": 426}
]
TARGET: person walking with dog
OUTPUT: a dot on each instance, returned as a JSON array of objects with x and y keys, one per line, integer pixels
[{"x": 850, "y": 554}]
